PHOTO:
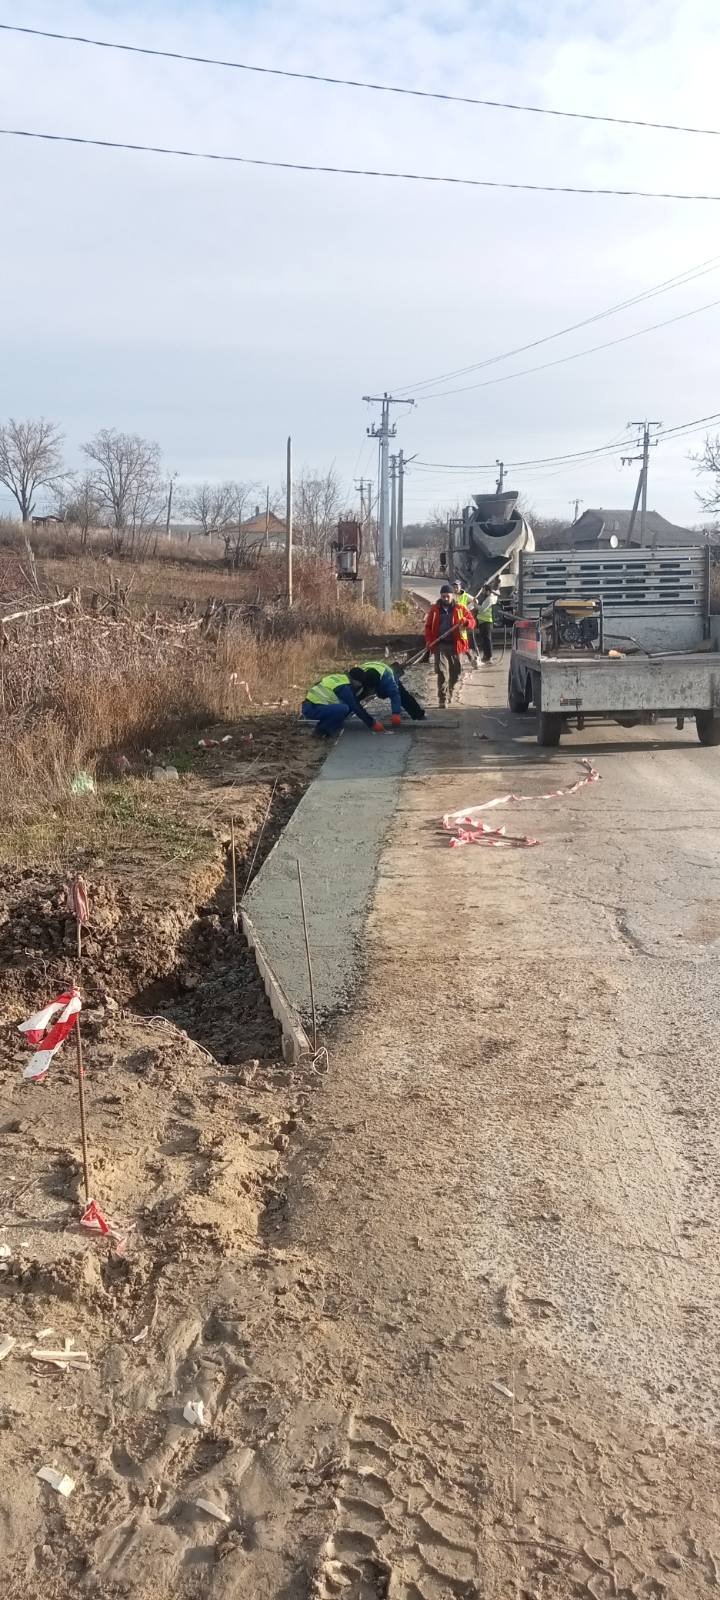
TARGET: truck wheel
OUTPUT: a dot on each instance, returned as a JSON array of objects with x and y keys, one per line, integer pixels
[
  {"x": 516, "y": 700},
  {"x": 708, "y": 727},
  {"x": 549, "y": 728}
]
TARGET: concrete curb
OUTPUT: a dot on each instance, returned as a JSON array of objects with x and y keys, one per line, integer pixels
[{"x": 295, "y": 1040}]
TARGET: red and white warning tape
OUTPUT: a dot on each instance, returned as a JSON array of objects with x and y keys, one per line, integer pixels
[
  {"x": 468, "y": 827},
  {"x": 40, "y": 1029},
  {"x": 95, "y": 1221}
]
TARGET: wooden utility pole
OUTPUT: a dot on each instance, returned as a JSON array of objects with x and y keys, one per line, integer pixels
[
  {"x": 173, "y": 476},
  {"x": 289, "y": 527}
]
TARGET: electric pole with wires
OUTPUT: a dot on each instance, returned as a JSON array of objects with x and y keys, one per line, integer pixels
[
  {"x": 642, "y": 485},
  {"x": 384, "y": 433}
]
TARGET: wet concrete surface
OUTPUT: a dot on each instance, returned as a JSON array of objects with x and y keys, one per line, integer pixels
[{"x": 336, "y": 834}]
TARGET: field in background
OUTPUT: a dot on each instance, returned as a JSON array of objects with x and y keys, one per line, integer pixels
[{"x": 145, "y": 653}]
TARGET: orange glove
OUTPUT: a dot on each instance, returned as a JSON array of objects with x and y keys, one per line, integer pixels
[
  {"x": 396, "y": 720},
  {"x": 378, "y": 727}
]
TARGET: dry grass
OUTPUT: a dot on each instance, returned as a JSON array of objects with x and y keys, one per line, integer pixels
[{"x": 77, "y": 685}]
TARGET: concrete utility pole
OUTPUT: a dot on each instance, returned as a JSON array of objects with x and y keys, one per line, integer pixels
[
  {"x": 501, "y": 477},
  {"x": 577, "y": 504},
  {"x": 641, "y": 494},
  {"x": 289, "y": 526},
  {"x": 400, "y": 524},
  {"x": 393, "y": 528},
  {"x": 267, "y": 514},
  {"x": 384, "y": 433}
]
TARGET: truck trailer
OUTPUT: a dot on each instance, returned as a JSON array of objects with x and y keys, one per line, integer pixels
[{"x": 619, "y": 635}]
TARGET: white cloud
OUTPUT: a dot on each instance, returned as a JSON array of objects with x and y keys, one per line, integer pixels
[{"x": 215, "y": 308}]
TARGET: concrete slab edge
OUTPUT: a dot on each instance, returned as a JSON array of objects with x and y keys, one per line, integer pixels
[{"x": 295, "y": 1042}]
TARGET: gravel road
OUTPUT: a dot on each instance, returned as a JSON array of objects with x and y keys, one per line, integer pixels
[{"x": 510, "y": 1190}]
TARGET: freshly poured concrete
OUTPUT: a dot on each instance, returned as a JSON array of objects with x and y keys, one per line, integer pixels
[{"x": 336, "y": 834}]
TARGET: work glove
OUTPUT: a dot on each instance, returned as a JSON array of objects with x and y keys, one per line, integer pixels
[
  {"x": 378, "y": 727},
  {"x": 396, "y": 720}
]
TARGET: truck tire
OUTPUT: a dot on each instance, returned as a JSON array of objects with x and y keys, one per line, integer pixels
[
  {"x": 708, "y": 727},
  {"x": 517, "y": 701},
  {"x": 549, "y": 728},
  {"x": 549, "y": 723}
]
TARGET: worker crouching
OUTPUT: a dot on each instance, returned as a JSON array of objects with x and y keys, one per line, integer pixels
[
  {"x": 381, "y": 682},
  {"x": 335, "y": 698}
]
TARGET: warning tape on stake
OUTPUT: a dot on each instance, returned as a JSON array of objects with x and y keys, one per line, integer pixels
[{"x": 468, "y": 827}]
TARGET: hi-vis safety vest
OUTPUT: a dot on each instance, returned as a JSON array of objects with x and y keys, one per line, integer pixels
[
  {"x": 464, "y": 599},
  {"x": 485, "y": 608},
  {"x": 375, "y": 666},
  {"x": 323, "y": 693}
]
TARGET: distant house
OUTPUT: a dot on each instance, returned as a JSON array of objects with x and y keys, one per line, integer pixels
[
  {"x": 255, "y": 527},
  {"x": 598, "y": 527}
]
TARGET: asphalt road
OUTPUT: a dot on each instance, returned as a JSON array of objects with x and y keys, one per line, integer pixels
[{"x": 510, "y": 1193}]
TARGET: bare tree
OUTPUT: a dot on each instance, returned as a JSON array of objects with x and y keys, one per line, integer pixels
[
  {"x": 126, "y": 474},
  {"x": 78, "y": 503},
  {"x": 211, "y": 506},
  {"x": 317, "y": 508},
  {"x": 30, "y": 459},
  {"x": 708, "y": 461}
]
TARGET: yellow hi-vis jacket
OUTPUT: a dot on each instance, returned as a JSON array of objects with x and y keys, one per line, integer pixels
[
  {"x": 323, "y": 693},
  {"x": 485, "y": 608}
]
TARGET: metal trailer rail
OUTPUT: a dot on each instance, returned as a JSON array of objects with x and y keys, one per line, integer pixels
[{"x": 656, "y": 616}]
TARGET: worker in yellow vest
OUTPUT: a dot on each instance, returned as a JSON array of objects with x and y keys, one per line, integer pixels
[
  {"x": 382, "y": 682},
  {"x": 334, "y": 698},
  {"x": 462, "y": 597},
  {"x": 486, "y": 601}
]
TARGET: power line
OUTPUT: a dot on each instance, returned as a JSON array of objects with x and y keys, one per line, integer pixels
[
  {"x": 681, "y": 278},
  {"x": 592, "y": 453},
  {"x": 487, "y": 383},
  {"x": 351, "y": 172},
  {"x": 358, "y": 83}
]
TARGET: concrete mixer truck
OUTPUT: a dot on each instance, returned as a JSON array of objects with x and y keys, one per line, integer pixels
[{"x": 486, "y": 543}]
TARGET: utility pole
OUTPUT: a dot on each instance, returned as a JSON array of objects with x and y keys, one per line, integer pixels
[
  {"x": 577, "y": 504},
  {"x": 402, "y": 463},
  {"x": 384, "y": 433},
  {"x": 641, "y": 493},
  {"x": 393, "y": 528},
  {"x": 400, "y": 523},
  {"x": 173, "y": 476},
  {"x": 501, "y": 477},
  {"x": 267, "y": 515},
  {"x": 289, "y": 526}
]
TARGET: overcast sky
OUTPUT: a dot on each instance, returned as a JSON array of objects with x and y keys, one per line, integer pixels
[{"x": 217, "y": 308}]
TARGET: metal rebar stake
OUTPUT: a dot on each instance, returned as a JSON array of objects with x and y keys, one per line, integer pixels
[
  {"x": 307, "y": 954},
  {"x": 81, "y": 1095}
]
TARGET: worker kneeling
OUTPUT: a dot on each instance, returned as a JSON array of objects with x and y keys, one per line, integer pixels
[
  {"x": 336, "y": 697},
  {"x": 382, "y": 683}
]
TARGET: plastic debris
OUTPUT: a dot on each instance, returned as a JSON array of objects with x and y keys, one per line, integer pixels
[
  {"x": 59, "y": 1481},
  {"x": 7, "y": 1343},
  {"x": 213, "y": 1510},
  {"x": 165, "y": 775},
  {"x": 142, "y": 1335},
  {"x": 502, "y": 1388},
  {"x": 79, "y": 1360},
  {"x": 208, "y": 744},
  {"x": 83, "y": 783},
  {"x": 5, "y": 1251},
  {"x": 194, "y": 1413}
]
